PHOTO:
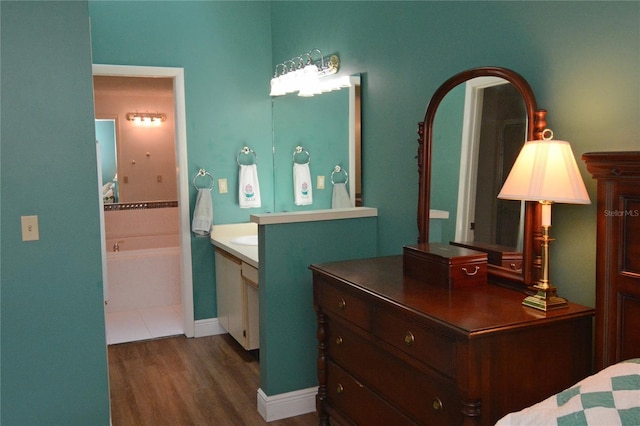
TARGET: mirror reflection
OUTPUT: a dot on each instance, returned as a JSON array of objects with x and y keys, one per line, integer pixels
[
  {"x": 106, "y": 136},
  {"x": 479, "y": 129},
  {"x": 461, "y": 138},
  {"x": 326, "y": 129}
]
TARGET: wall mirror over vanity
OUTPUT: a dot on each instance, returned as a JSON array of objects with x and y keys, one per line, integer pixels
[
  {"x": 398, "y": 342},
  {"x": 326, "y": 127}
]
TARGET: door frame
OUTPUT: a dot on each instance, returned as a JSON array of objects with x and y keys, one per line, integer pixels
[
  {"x": 472, "y": 118},
  {"x": 177, "y": 74}
]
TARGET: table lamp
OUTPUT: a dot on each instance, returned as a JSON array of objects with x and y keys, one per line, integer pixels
[{"x": 545, "y": 171}]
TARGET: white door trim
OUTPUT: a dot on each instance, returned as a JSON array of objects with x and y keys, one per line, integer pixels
[
  {"x": 471, "y": 121},
  {"x": 183, "y": 179}
]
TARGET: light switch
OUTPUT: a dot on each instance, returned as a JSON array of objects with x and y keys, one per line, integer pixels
[
  {"x": 30, "y": 228},
  {"x": 320, "y": 182},
  {"x": 222, "y": 186}
]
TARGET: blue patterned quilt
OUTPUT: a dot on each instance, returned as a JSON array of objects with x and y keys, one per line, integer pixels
[{"x": 609, "y": 397}]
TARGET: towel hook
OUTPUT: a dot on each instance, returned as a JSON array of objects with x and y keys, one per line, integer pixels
[
  {"x": 203, "y": 173},
  {"x": 300, "y": 150},
  {"x": 338, "y": 169},
  {"x": 247, "y": 151}
]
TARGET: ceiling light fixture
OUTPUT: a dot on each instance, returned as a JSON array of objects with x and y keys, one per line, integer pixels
[
  {"x": 146, "y": 118},
  {"x": 302, "y": 74}
]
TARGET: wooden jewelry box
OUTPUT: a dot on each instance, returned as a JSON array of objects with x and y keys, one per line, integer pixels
[{"x": 445, "y": 265}]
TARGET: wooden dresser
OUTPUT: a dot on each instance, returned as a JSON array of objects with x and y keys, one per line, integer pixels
[
  {"x": 617, "y": 255},
  {"x": 394, "y": 351}
]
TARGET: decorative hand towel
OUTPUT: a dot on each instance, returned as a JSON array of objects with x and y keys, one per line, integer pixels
[
  {"x": 340, "y": 198},
  {"x": 249, "y": 190},
  {"x": 302, "y": 184},
  {"x": 202, "y": 214}
]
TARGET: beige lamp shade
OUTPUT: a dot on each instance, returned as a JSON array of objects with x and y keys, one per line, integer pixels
[{"x": 545, "y": 170}]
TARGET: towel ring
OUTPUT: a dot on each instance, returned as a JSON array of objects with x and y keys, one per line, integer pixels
[
  {"x": 247, "y": 151},
  {"x": 338, "y": 169},
  {"x": 299, "y": 150},
  {"x": 203, "y": 173}
]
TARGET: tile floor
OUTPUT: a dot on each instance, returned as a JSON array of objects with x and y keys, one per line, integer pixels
[{"x": 143, "y": 324}]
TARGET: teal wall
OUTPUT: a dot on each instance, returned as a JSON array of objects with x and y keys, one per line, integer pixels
[
  {"x": 52, "y": 335},
  {"x": 225, "y": 50},
  {"x": 581, "y": 59},
  {"x": 288, "y": 345}
]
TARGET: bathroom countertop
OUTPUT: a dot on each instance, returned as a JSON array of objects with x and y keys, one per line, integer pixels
[
  {"x": 221, "y": 236},
  {"x": 313, "y": 215}
]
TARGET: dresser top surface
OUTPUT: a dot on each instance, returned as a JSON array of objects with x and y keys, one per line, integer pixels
[{"x": 473, "y": 311}]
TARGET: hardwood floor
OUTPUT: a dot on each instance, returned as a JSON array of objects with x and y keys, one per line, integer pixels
[{"x": 179, "y": 381}]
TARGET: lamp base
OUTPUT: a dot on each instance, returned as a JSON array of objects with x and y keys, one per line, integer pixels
[{"x": 545, "y": 300}]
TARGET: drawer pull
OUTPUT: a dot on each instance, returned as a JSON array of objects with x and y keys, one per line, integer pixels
[
  {"x": 437, "y": 404},
  {"x": 409, "y": 338},
  {"x": 342, "y": 304},
  {"x": 470, "y": 274},
  {"x": 339, "y": 340},
  {"x": 339, "y": 388}
]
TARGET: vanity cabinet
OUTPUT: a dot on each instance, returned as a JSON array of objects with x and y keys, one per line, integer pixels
[
  {"x": 395, "y": 350},
  {"x": 237, "y": 298}
]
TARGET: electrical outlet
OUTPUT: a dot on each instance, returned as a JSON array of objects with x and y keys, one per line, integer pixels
[
  {"x": 30, "y": 228},
  {"x": 320, "y": 183},
  {"x": 222, "y": 186}
]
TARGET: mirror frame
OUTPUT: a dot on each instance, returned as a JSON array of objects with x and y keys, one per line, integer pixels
[{"x": 536, "y": 123}]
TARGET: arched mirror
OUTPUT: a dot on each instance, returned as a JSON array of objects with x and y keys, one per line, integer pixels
[{"x": 474, "y": 128}]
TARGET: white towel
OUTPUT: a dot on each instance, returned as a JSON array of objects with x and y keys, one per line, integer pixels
[
  {"x": 202, "y": 214},
  {"x": 302, "y": 184},
  {"x": 340, "y": 198},
  {"x": 249, "y": 188}
]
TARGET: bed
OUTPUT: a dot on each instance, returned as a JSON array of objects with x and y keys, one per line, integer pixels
[
  {"x": 609, "y": 397},
  {"x": 612, "y": 395}
]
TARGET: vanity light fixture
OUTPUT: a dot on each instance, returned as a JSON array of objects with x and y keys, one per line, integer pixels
[
  {"x": 146, "y": 118},
  {"x": 303, "y": 74},
  {"x": 545, "y": 171}
]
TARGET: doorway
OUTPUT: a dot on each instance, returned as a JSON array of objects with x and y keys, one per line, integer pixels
[
  {"x": 494, "y": 130},
  {"x": 183, "y": 235}
]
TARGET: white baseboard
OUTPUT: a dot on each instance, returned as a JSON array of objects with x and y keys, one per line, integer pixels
[
  {"x": 286, "y": 405},
  {"x": 208, "y": 327}
]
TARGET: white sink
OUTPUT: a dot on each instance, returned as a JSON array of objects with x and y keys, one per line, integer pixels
[{"x": 246, "y": 240}]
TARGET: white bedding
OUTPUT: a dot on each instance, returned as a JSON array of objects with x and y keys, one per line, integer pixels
[{"x": 609, "y": 397}]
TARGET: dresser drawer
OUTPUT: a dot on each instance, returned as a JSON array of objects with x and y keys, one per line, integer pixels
[
  {"x": 512, "y": 264},
  {"x": 423, "y": 344},
  {"x": 421, "y": 396},
  {"x": 358, "y": 403},
  {"x": 344, "y": 304}
]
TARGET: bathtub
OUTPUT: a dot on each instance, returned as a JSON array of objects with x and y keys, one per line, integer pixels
[
  {"x": 145, "y": 273},
  {"x": 143, "y": 242}
]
